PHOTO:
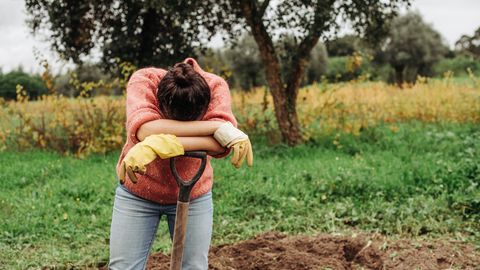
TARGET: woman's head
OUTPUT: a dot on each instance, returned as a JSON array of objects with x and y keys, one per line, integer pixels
[{"x": 183, "y": 94}]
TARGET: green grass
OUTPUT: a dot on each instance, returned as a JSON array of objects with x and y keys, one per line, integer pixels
[{"x": 421, "y": 180}]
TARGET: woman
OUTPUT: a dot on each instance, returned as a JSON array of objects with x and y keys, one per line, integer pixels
[{"x": 169, "y": 112}]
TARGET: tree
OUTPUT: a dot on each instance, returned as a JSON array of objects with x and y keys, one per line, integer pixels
[
  {"x": 31, "y": 83},
  {"x": 309, "y": 20},
  {"x": 470, "y": 44},
  {"x": 412, "y": 47},
  {"x": 153, "y": 32},
  {"x": 245, "y": 63}
]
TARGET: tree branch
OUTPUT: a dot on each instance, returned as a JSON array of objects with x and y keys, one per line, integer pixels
[
  {"x": 263, "y": 7},
  {"x": 264, "y": 42},
  {"x": 300, "y": 59}
]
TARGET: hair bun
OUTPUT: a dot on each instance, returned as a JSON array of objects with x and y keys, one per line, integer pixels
[
  {"x": 181, "y": 73},
  {"x": 183, "y": 94}
]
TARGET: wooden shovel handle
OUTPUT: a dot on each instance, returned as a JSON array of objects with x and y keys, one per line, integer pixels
[
  {"x": 179, "y": 235},
  {"x": 181, "y": 218}
]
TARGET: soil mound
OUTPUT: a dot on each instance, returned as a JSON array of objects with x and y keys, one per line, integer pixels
[{"x": 279, "y": 251}]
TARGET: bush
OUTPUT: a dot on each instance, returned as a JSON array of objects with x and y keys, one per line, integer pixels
[
  {"x": 79, "y": 126},
  {"x": 383, "y": 73},
  {"x": 31, "y": 83},
  {"x": 101, "y": 83},
  {"x": 346, "y": 68},
  {"x": 344, "y": 46},
  {"x": 457, "y": 65},
  {"x": 337, "y": 68}
]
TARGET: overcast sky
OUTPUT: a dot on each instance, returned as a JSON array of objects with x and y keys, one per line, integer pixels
[{"x": 452, "y": 18}]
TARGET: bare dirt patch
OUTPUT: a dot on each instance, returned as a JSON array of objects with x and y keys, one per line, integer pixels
[{"x": 365, "y": 251}]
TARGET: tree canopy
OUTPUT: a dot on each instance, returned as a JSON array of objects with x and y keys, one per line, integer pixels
[
  {"x": 32, "y": 84},
  {"x": 344, "y": 46},
  {"x": 144, "y": 32},
  {"x": 412, "y": 47}
]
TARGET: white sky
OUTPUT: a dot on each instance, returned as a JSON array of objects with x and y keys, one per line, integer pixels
[{"x": 452, "y": 18}]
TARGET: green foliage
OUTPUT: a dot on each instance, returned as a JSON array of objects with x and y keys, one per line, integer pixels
[
  {"x": 458, "y": 65},
  {"x": 245, "y": 64},
  {"x": 412, "y": 47},
  {"x": 214, "y": 60},
  {"x": 242, "y": 66},
  {"x": 337, "y": 69},
  {"x": 419, "y": 181},
  {"x": 317, "y": 61},
  {"x": 140, "y": 37},
  {"x": 141, "y": 32},
  {"x": 86, "y": 73},
  {"x": 344, "y": 46},
  {"x": 31, "y": 83},
  {"x": 340, "y": 68}
]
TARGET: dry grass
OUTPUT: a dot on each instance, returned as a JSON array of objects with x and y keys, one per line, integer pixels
[
  {"x": 83, "y": 126},
  {"x": 353, "y": 106}
]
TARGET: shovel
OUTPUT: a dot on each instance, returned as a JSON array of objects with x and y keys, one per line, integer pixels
[{"x": 183, "y": 202}]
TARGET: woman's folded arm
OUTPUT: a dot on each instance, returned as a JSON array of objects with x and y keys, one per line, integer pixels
[
  {"x": 205, "y": 143},
  {"x": 177, "y": 128}
]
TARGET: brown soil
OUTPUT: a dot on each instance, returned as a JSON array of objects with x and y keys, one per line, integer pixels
[{"x": 279, "y": 251}]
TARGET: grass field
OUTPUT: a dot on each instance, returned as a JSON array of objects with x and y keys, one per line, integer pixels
[{"x": 415, "y": 180}]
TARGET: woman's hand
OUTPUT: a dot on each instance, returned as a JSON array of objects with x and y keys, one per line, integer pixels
[
  {"x": 141, "y": 154},
  {"x": 231, "y": 137}
]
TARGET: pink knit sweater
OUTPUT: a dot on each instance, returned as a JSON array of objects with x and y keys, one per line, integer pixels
[{"x": 158, "y": 183}]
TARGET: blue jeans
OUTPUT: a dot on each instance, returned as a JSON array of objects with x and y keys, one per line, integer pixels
[{"x": 135, "y": 222}]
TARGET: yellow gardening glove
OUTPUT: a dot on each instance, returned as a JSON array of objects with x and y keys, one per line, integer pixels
[
  {"x": 242, "y": 149},
  {"x": 141, "y": 154},
  {"x": 231, "y": 137}
]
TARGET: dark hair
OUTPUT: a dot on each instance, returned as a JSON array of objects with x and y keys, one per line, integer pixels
[{"x": 183, "y": 94}]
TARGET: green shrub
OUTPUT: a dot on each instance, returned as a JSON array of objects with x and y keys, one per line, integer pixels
[
  {"x": 457, "y": 65},
  {"x": 383, "y": 72},
  {"x": 347, "y": 68},
  {"x": 31, "y": 83},
  {"x": 337, "y": 68},
  {"x": 69, "y": 84}
]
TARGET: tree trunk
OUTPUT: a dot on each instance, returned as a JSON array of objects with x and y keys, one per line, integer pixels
[
  {"x": 399, "y": 75},
  {"x": 286, "y": 114},
  {"x": 284, "y": 101}
]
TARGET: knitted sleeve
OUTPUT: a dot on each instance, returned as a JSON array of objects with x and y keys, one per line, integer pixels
[{"x": 142, "y": 105}]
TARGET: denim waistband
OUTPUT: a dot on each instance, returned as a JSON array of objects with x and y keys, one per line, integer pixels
[{"x": 209, "y": 193}]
